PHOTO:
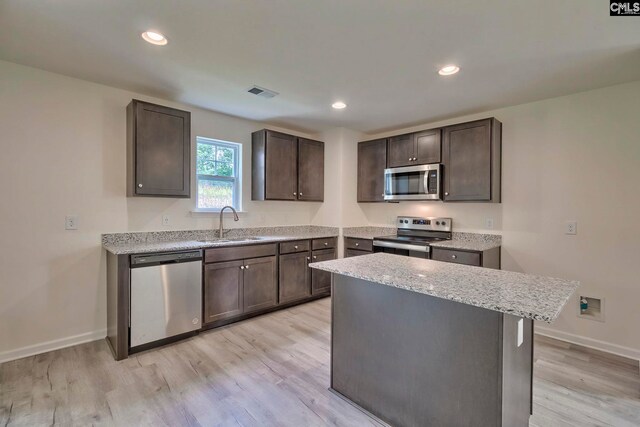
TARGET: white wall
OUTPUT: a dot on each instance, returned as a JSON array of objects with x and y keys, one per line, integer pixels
[
  {"x": 577, "y": 158},
  {"x": 63, "y": 152}
]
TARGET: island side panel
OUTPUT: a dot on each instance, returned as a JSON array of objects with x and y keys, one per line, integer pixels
[
  {"x": 412, "y": 359},
  {"x": 517, "y": 377}
]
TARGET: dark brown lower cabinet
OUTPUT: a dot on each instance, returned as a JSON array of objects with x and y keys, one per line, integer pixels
[
  {"x": 321, "y": 280},
  {"x": 222, "y": 290},
  {"x": 294, "y": 277},
  {"x": 354, "y": 252},
  {"x": 489, "y": 258},
  {"x": 237, "y": 287},
  {"x": 260, "y": 288}
]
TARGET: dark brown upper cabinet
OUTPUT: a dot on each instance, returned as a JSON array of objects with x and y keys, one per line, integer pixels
[
  {"x": 427, "y": 147},
  {"x": 310, "y": 170},
  {"x": 158, "y": 151},
  {"x": 471, "y": 155},
  {"x": 285, "y": 167},
  {"x": 372, "y": 160},
  {"x": 411, "y": 149}
]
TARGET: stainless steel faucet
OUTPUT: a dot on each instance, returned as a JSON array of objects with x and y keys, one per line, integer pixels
[{"x": 235, "y": 218}]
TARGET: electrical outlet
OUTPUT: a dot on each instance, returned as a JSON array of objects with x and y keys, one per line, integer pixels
[
  {"x": 489, "y": 223},
  {"x": 571, "y": 227},
  {"x": 165, "y": 220},
  {"x": 71, "y": 222}
]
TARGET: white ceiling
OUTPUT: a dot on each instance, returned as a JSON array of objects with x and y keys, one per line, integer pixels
[{"x": 380, "y": 56}]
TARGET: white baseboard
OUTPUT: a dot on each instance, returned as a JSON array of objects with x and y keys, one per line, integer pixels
[
  {"x": 44, "y": 347},
  {"x": 605, "y": 346}
]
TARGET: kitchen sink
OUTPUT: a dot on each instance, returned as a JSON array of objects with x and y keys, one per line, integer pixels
[{"x": 234, "y": 239}]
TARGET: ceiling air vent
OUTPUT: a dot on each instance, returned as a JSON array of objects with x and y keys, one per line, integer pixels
[{"x": 260, "y": 91}]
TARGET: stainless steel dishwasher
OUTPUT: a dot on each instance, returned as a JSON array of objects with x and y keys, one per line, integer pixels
[{"x": 166, "y": 295}]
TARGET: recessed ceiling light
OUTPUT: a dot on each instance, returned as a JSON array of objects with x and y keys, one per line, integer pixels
[
  {"x": 449, "y": 70},
  {"x": 339, "y": 105},
  {"x": 154, "y": 37}
]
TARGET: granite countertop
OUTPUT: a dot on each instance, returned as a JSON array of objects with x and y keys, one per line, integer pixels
[
  {"x": 462, "y": 241},
  {"x": 470, "y": 241},
  {"x": 524, "y": 295},
  {"x": 367, "y": 232},
  {"x": 163, "y": 241}
]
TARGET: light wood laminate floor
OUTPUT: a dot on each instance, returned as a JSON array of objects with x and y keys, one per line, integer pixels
[{"x": 272, "y": 371}]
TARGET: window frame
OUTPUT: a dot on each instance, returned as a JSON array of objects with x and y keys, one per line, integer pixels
[{"x": 236, "y": 180}]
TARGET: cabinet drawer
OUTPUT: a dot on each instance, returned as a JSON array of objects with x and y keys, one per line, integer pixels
[
  {"x": 327, "y": 243},
  {"x": 359, "y": 244},
  {"x": 354, "y": 252},
  {"x": 239, "y": 252},
  {"x": 458, "y": 257},
  {"x": 295, "y": 246}
]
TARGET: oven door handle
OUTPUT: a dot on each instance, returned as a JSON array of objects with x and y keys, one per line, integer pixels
[{"x": 417, "y": 248}]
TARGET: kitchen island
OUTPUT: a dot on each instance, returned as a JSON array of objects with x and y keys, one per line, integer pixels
[{"x": 419, "y": 342}]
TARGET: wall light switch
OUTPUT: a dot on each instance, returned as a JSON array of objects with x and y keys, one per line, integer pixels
[
  {"x": 71, "y": 222},
  {"x": 165, "y": 220},
  {"x": 571, "y": 227},
  {"x": 489, "y": 223}
]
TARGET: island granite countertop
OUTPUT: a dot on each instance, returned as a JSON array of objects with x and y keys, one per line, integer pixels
[
  {"x": 164, "y": 241},
  {"x": 519, "y": 294}
]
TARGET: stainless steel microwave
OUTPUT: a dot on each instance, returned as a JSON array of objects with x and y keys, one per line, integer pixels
[{"x": 413, "y": 182}]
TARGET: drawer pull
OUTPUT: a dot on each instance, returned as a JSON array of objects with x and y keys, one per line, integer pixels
[
  {"x": 357, "y": 244},
  {"x": 454, "y": 256},
  {"x": 326, "y": 243},
  {"x": 295, "y": 247}
]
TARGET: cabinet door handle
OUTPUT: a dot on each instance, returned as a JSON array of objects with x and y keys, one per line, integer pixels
[
  {"x": 242, "y": 267},
  {"x": 446, "y": 194},
  {"x": 246, "y": 266},
  {"x": 454, "y": 256},
  {"x": 308, "y": 258},
  {"x": 410, "y": 158},
  {"x": 295, "y": 194},
  {"x": 301, "y": 194},
  {"x": 315, "y": 257},
  {"x": 139, "y": 185},
  {"x": 415, "y": 158}
]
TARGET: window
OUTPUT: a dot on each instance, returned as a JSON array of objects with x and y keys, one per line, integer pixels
[{"x": 217, "y": 174}]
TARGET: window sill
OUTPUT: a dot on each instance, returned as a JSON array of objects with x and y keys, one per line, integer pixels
[{"x": 209, "y": 212}]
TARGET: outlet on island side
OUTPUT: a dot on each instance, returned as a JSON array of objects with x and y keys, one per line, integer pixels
[
  {"x": 166, "y": 220},
  {"x": 488, "y": 223}
]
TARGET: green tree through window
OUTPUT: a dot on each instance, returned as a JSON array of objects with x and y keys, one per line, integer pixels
[{"x": 217, "y": 172}]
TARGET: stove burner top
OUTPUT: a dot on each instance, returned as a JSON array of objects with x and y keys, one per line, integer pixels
[{"x": 416, "y": 240}]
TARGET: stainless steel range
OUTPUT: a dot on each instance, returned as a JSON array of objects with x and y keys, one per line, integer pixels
[{"x": 413, "y": 236}]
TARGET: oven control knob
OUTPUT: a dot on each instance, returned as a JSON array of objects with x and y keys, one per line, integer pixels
[{"x": 437, "y": 222}]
